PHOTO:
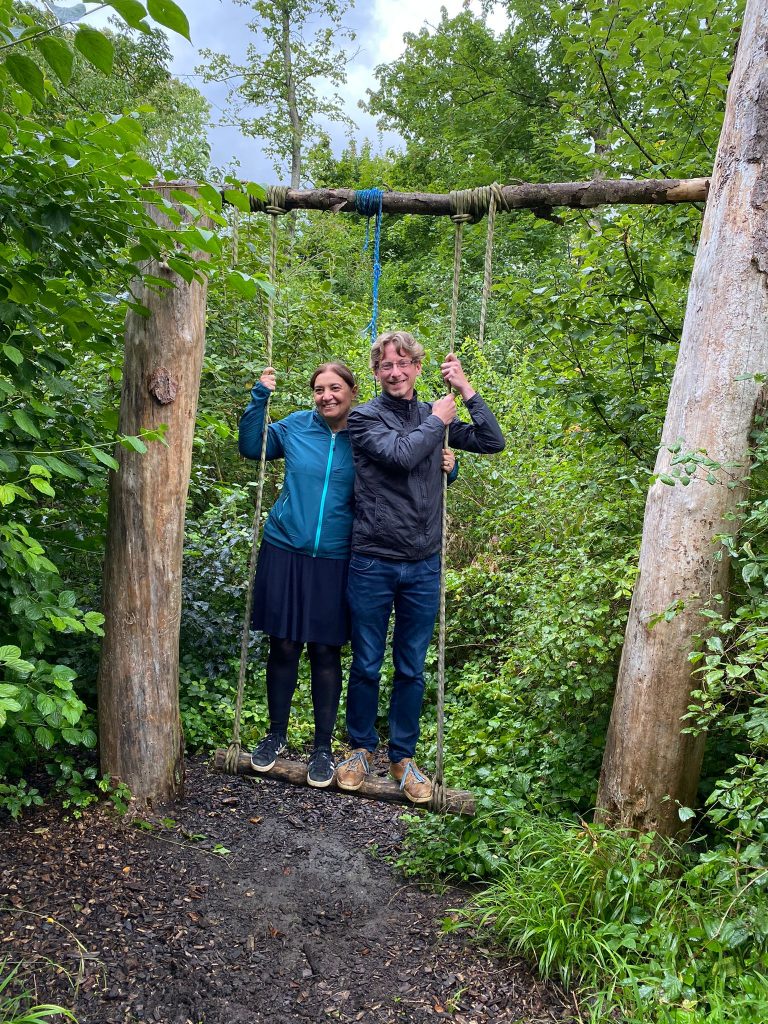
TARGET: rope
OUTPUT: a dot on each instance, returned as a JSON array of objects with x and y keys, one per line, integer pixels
[
  {"x": 495, "y": 199},
  {"x": 467, "y": 207},
  {"x": 275, "y": 206},
  {"x": 462, "y": 213},
  {"x": 368, "y": 203}
]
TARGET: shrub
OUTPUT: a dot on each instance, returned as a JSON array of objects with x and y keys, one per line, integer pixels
[{"x": 662, "y": 936}]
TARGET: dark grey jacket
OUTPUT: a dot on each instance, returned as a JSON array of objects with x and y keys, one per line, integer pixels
[{"x": 397, "y": 447}]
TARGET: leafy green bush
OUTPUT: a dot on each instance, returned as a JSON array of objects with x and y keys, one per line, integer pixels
[
  {"x": 208, "y": 706},
  {"x": 661, "y": 936},
  {"x": 216, "y": 554},
  {"x": 731, "y": 700},
  {"x": 39, "y": 712}
]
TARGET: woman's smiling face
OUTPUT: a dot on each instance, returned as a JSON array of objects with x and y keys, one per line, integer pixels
[{"x": 333, "y": 398}]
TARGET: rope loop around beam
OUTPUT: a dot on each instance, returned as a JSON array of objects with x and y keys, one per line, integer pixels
[
  {"x": 464, "y": 207},
  {"x": 438, "y": 802},
  {"x": 276, "y": 197},
  {"x": 275, "y": 203},
  {"x": 470, "y": 205}
]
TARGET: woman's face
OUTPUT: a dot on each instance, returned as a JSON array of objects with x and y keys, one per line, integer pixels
[{"x": 333, "y": 398}]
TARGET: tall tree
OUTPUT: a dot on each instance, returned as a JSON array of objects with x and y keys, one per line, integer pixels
[
  {"x": 650, "y": 768},
  {"x": 175, "y": 128},
  {"x": 276, "y": 95}
]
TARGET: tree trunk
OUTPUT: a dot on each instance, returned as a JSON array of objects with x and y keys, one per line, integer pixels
[
  {"x": 650, "y": 768},
  {"x": 290, "y": 96},
  {"x": 140, "y": 735}
]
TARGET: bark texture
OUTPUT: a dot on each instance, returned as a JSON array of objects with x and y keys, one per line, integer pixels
[
  {"x": 578, "y": 194},
  {"x": 140, "y": 735},
  {"x": 290, "y": 97},
  {"x": 650, "y": 768},
  {"x": 458, "y": 801}
]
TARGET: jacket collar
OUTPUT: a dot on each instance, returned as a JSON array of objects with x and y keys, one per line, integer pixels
[
  {"x": 401, "y": 405},
  {"x": 321, "y": 422}
]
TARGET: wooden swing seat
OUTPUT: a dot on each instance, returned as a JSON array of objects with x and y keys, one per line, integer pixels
[{"x": 457, "y": 801}]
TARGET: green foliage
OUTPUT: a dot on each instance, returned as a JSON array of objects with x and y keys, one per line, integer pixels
[
  {"x": 18, "y": 797},
  {"x": 730, "y": 660},
  {"x": 583, "y": 331},
  {"x": 208, "y": 711},
  {"x": 172, "y": 114},
  {"x": 79, "y": 787},
  {"x": 648, "y": 83},
  {"x": 278, "y": 98},
  {"x": 17, "y": 1005},
  {"x": 208, "y": 707},
  {"x": 660, "y": 939},
  {"x": 74, "y": 232}
]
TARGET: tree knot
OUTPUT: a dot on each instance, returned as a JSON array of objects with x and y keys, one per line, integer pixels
[{"x": 162, "y": 386}]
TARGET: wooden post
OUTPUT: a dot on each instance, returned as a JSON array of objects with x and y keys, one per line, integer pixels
[
  {"x": 650, "y": 768},
  {"x": 140, "y": 735}
]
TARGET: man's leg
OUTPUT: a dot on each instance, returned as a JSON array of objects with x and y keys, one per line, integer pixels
[
  {"x": 416, "y": 607},
  {"x": 370, "y": 594}
]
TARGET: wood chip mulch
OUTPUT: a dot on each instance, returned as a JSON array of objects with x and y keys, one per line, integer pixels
[{"x": 302, "y": 919}]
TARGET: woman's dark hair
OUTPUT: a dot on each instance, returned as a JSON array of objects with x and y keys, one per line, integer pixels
[{"x": 339, "y": 369}]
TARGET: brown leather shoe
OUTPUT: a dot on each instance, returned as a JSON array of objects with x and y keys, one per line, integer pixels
[
  {"x": 352, "y": 772},
  {"x": 413, "y": 782}
]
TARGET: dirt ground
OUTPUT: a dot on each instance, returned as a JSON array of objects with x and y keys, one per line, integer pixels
[{"x": 303, "y": 919}]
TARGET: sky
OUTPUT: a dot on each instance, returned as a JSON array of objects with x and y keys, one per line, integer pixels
[{"x": 221, "y": 25}]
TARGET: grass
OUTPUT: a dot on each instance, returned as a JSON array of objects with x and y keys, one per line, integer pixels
[
  {"x": 637, "y": 929},
  {"x": 17, "y": 1007}
]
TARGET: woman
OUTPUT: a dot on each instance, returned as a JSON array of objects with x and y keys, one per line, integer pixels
[{"x": 301, "y": 575}]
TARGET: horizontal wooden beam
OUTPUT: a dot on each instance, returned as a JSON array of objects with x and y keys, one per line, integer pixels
[
  {"x": 458, "y": 801},
  {"x": 547, "y": 196}
]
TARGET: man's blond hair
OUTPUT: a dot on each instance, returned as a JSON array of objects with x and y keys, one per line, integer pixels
[{"x": 405, "y": 345}]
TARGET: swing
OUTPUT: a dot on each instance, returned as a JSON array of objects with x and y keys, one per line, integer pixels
[{"x": 467, "y": 207}]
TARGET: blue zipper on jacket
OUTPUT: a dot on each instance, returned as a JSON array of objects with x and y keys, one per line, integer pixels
[{"x": 325, "y": 492}]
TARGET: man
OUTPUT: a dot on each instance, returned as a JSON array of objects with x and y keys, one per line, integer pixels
[{"x": 397, "y": 445}]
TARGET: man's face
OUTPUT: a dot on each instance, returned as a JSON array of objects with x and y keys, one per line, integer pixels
[{"x": 397, "y": 372}]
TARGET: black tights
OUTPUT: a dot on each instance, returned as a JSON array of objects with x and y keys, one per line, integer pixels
[{"x": 283, "y": 674}]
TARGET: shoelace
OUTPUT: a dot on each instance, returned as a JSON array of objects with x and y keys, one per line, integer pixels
[
  {"x": 321, "y": 757},
  {"x": 411, "y": 769},
  {"x": 357, "y": 756}
]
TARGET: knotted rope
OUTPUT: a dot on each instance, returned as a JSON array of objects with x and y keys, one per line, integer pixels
[
  {"x": 368, "y": 203},
  {"x": 275, "y": 206}
]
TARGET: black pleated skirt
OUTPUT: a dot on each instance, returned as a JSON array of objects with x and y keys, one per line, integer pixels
[{"x": 301, "y": 598}]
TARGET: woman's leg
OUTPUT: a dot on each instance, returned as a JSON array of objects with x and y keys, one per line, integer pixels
[
  {"x": 282, "y": 676},
  {"x": 325, "y": 662}
]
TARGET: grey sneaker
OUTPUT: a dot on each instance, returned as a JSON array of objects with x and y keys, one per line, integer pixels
[
  {"x": 264, "y": 756},
  {"x": 320, "y": 768}
]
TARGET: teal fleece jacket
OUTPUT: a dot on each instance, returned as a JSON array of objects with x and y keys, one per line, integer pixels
[{"x": 313, "y": 514}]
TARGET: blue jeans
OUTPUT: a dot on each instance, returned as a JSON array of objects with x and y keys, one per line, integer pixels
[{"x": 375, "y": 586}]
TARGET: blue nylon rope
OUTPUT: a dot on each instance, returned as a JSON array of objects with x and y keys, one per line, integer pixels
[{"x": 368, "y": 203}]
